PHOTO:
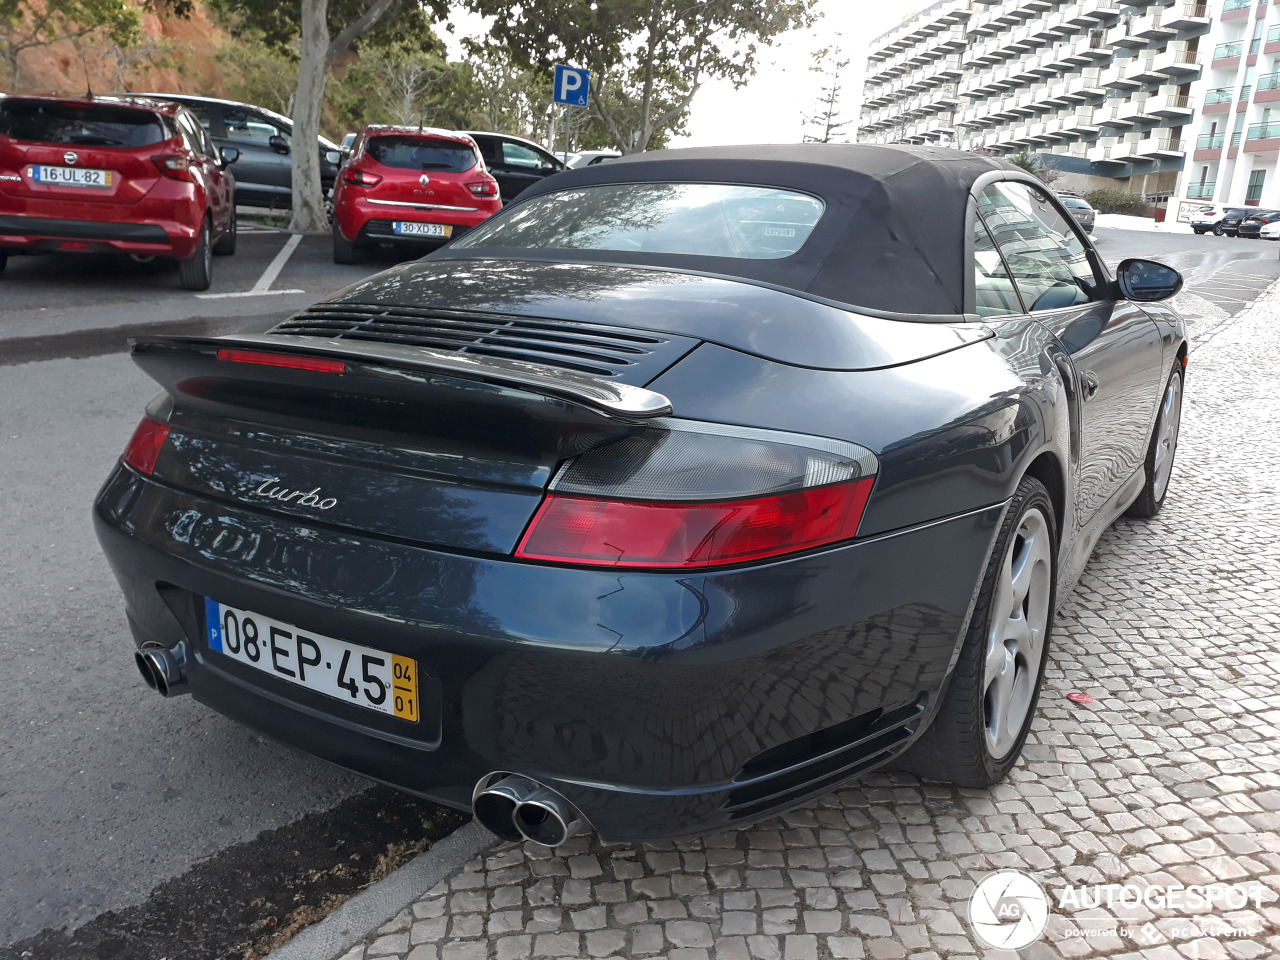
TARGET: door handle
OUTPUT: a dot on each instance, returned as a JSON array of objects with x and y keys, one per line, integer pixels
[{"x": 1089, "y": 384}]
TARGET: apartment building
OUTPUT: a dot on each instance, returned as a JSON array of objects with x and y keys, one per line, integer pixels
[
  {"x": 1102, "y": 90},
  {"x": 1237, "y": 142}
]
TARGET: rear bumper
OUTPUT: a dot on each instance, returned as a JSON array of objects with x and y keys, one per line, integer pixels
[
  {"x": 48, "y": 234},
  {"x": 660, "y": 704},
  {"x": 363, "y": 221}
]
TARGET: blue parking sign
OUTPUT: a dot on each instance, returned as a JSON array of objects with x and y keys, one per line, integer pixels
[{"x": 572, "y": 86}]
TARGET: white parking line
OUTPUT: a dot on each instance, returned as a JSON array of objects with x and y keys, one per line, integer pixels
[{"x": 263, "y": 287}]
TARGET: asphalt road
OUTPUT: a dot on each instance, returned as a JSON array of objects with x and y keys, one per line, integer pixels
[{"x": 106, "y": 790}]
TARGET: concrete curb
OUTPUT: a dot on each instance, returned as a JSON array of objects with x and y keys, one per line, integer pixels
[{"x": 374, "y": 906}]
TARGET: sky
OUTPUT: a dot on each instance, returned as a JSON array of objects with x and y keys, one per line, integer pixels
[{"x": 772, "y": 105}]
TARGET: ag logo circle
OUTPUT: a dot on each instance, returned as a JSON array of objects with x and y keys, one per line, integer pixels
[{"x": 1008, "y": 910}]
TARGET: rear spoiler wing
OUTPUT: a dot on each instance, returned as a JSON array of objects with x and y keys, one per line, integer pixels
[{"x": 614, "y": 400}]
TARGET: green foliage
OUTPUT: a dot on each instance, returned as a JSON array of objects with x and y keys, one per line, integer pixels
[
  {"x": 26, "y": 25},
  {"x": 1111, "y": 200},
  {"x": 647, "y": 57},
  {"x": 827, "y": 123},
  {"x": 399, "y": 84},
  {"x": 1034, "y": 166},
  {"x": 259, "y": 72},
  {"x": 278, "y": 23}
]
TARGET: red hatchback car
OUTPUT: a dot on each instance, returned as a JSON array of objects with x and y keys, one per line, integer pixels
[
  {"x": 114, "y": 175},
  {"x": 410, "y": 185}
]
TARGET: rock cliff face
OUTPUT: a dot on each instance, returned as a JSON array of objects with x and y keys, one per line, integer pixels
[{"x": 175, "y": 55}]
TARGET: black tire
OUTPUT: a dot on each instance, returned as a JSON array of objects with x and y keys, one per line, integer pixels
[
  {"x": 1163, "y": 444},
  {"x": 226, "y": 244},
  {"x": 196, "y": 272},
  {"x": 1199, "y": 231},
  {"x": 4, "y": 260},
  {"x": 1218, "y": 231},
  {"x": 344, "y": 251},
  {"x": 956, "y": 746}
]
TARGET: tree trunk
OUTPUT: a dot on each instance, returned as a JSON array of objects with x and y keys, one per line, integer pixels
[{"x": 308, "y": 199}]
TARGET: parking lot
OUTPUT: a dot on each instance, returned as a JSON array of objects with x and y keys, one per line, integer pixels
[{"x": 1170, "y": 775}]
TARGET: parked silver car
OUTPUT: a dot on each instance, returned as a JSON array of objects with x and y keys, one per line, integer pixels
[{"x": 1085, "y": 215}]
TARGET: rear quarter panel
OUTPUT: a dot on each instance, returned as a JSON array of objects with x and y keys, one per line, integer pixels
[{"x": 954, "y": 432}]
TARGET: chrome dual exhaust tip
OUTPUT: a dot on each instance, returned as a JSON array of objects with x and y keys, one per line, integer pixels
[
  {"x": 517, "y": 808},
  {"x": 163, "y": 668}
]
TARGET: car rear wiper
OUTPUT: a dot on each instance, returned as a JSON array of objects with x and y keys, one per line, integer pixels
[
  {"x": 96, "y": 141},
  {"x": 437, "y": 166}
]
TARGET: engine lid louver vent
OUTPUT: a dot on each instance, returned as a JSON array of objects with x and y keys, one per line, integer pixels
[{"x": 628, "y": 355}]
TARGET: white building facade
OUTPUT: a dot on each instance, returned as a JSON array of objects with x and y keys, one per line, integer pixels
[
  {"x": 1237, "y": 143},
  {"x": 1102, "y": 90}
]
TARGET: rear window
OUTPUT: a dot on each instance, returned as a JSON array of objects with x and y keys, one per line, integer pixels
[
  {"x": 87, "y": 125},
  {"x": 421, "y": 153},
  {"x": 696, "y": 219}
]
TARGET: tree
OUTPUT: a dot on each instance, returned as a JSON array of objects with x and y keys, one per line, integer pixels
[
  {"x": 827, "y": 123},
  {"x": 1035, "y": 166},
  {"x": 647, "y": 56},
  {"x": 27, "y": 24},
  {"x": 400, "y": 79},
  {"x": 324, "y": 35},
  {"x": 259, "y": 72},
  {"x": 501, "y": 95}
]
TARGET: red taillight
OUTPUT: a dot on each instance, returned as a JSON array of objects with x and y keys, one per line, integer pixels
[
  {"x": 483, "y": 188},
  {"x": 175, "y": 166},
  {"x": 314, "y": 364},
  {"x": 361, "y": 178},
  {"x": 582, "y": 530},
  {"x": 144, "y": 447}
]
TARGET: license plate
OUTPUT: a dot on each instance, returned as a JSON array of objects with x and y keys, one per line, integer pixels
[
  {"x": 409, "y": 229},
  {"x": 73, "y": 177},
  {"x": 345, "y": 671}
]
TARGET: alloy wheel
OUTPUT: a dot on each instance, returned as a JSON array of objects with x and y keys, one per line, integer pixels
[
  {"x": 1166, "y": 437},
  {"x": 1016, "y": 638}
]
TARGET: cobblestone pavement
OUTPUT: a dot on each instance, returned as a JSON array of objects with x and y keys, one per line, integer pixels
[{"x": 1170, "y": 776}]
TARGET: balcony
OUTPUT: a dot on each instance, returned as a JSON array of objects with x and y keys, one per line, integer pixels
[
  {"x": 1188, "y": 17},
  {"x": 1169, "y": 106},
  {"x": 1109, "y": 150},
  {"x": 1177, "y": 61},
  {"x": 1227, "y": 54},
  {"x": 1160, "y": 147},
  {"x": 1262, "y": 138},
  {"x": 1235, "y": 9},
  {"x": 1218, "y": 100},
  {"x": 1201, "y": 191},
  {"x": 1267, "y": 88}
]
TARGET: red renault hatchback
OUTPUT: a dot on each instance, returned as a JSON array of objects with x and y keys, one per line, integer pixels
[
  {"x": 410, "y": 185},
  {"x": 114, "y": 175}
]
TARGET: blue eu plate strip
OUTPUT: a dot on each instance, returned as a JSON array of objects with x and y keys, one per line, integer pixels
[{"x": 213, "y": 622}]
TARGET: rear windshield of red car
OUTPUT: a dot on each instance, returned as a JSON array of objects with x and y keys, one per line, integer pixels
[
  {"x": 421, "y": 153},
  {"x": 90, "y": 125}
]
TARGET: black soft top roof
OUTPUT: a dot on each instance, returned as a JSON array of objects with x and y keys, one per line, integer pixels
[{"x": 892, "y": 237}]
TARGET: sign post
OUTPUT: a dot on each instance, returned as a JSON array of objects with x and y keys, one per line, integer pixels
[{"x": 571, "y": 88}]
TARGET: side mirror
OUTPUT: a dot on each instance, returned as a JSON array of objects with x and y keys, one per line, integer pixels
[
  {"x": 229, "y": 155},
  {"x": 1147, "y": 281},
  {"x": 279, "y": 144},
  {"x": 333, "y": 156}
]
